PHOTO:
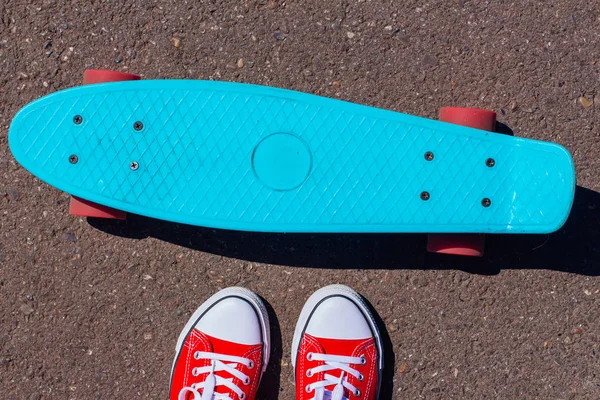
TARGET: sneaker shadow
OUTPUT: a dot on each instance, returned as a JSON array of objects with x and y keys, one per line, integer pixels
[
  {"x": 270, "y": 383},
  {"x": 389, "y": 358},
  {"x": 574, "y": 248}
]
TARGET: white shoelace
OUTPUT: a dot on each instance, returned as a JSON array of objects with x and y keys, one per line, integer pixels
[
  {"x": 219, "y": 362},
  {"x": 332, "y": 362}
]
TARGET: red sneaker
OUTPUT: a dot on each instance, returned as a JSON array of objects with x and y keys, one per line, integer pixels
[
  {"x": 223, "y": 350},
  {"x": 337, "y": 352}
]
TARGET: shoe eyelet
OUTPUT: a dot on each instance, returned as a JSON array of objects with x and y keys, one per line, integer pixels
[
  {"x": 308, "y": 389},
  {"x": 361, "y": 377},
  {"x": 309, "y": 356},
  {"x": 195, "y": 372},
  {"x": 243, "y": 396},
  {"x": 197, "y": 355},
  {"x": 251, "y": 364},
  {"x": 357, "y": 393},
  {"x": 363, "y": 360},
  {"x": 309, "y": 373},
  {"x": 247, "y": 381}
]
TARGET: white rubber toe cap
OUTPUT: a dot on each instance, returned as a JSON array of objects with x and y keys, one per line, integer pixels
[
  {"x": 336, "y": 312},
  {"x": 338, "y": 317},
  {"x": 232, "y": 319}
]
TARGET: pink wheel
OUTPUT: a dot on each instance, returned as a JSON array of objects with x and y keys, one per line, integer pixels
[
  {"x": 104, "y": 75},
  {"x": 471, "y": 117},
  {"x": 462, "y": 244},
  {"x": 457, "y": 244},
  {"x": 86, "y": 208}
]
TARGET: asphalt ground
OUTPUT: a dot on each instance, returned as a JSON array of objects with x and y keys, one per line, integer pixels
[{"x": 91, "y": 309}]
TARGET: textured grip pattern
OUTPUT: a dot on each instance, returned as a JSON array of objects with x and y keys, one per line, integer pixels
[{"x": 367, "y": 174}]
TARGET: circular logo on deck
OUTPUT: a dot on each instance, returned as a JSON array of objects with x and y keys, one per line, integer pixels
[{"x": 282, "y": 161}]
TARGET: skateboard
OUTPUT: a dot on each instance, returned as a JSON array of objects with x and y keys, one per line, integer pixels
[{"x": 254, "y": 158}]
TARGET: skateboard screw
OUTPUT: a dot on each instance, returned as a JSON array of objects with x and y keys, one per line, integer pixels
[
  {"x": 138, "y": 126},
  {"x": 486, "y": 202},
  {"x": 73, "y": 159},
  {"x": 77, "y": 119},
  {"x": 134, "y": 165},
  {"x": 429, "y": 156},
  {"x": 425, "y": 196},
  {"x": 490, "y": 162}
]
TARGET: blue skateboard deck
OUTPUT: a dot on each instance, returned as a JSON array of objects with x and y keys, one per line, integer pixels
[{"x": 247, "y": 157}]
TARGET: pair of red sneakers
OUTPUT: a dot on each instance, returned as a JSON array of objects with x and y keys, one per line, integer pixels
[{"x": 224, "y": 349}]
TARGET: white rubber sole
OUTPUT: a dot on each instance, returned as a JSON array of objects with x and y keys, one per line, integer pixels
[
  {"x": 245, "y": 294},
  {"x": 329, "y": 291}
]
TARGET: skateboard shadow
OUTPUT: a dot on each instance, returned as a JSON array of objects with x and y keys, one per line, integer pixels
[{"x": 574, "y": 248}]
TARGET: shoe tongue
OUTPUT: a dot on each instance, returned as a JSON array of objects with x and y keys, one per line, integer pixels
[
  {"x": 337, "y": 347},
  {"x": 341, "y": 347},
  {"x": 221, "y": 346}
]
